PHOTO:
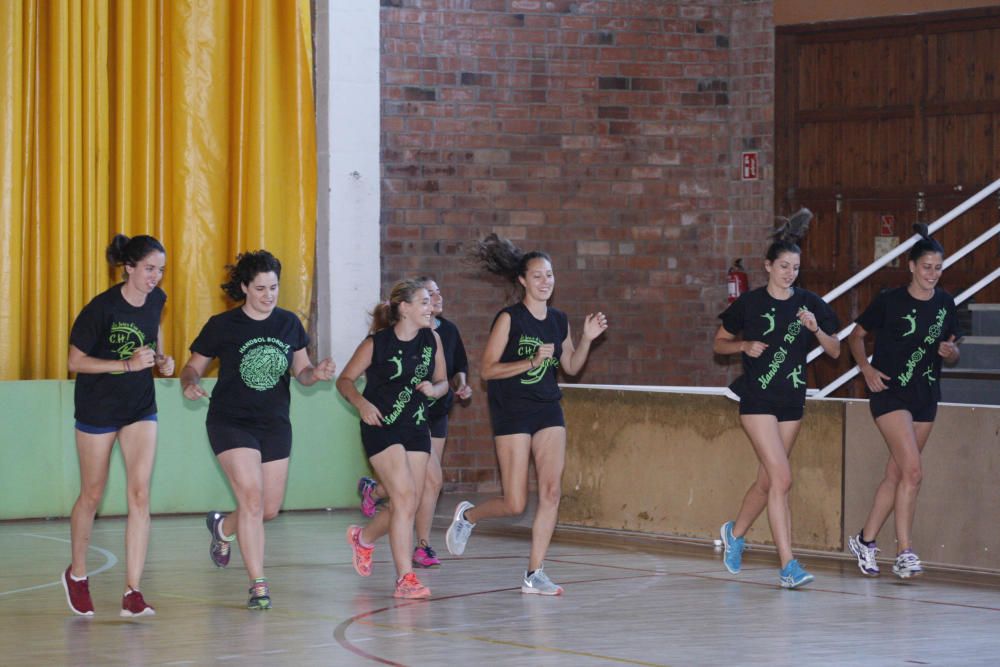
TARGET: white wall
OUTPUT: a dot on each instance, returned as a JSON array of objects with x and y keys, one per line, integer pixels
[{"x": 347, "y": 133}]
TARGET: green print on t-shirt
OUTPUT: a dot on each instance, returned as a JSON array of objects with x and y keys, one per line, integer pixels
[
  {"x": 933, "y": 332},
  {"x": 419, "y": 373},
  {"x": 397, "y": 361},
  {"x": 527, "y": 346},
  {"x": 770, "y": 320},
  {"x": 125, "y": 338},
  {"x": 912, "y": 319},
  {"x": 781, "y": 355},
  {"x": 263, "y": 362}
]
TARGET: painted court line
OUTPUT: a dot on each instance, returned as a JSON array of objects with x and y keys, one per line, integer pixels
[{"x": 110, "y": 560}]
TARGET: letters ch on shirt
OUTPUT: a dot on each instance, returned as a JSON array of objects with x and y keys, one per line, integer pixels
[{"x": 527, "y": 346}]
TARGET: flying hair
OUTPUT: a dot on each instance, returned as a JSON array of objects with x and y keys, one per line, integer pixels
[
  {"x": 787, "y": 237},
  {"x": 926, "y": 245},
  {"x": 500, "y": 257}
]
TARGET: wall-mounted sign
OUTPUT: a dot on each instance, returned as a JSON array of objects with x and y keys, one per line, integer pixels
[{"x": 750, "y": 166}]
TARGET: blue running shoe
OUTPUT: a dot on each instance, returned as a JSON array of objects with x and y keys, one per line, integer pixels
[
  {"x": 793, "y": 576},
  {"x": 733, "y": 557}
]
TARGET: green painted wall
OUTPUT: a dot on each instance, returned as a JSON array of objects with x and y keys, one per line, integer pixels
[{"x": 39, "y": 474}]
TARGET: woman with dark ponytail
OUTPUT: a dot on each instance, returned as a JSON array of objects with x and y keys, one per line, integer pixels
[
  {"x": 527, "y": 342},
  {"x": 115, "y": 342},
  {"x": 258, "y": 344},
  {"x": 404, "y": 367},
  {"x": 773, "y": 328},
  {"x": 915, "y": 328}
]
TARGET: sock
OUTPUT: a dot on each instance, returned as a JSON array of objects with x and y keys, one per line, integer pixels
[
  {"x": 219, "y": 534},
  {"x": 528, "y": 574},
  {"x": 861, "y": 538},
  {"x": 362, "y": 542},
  {"x": 75, "y": 578}
]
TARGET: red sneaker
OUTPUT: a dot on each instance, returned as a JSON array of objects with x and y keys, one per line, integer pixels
[
  {"x": 134, "y": 605},
  {"x": 77, "y": 594},
  {"x": 410, "y": 588},
  {"x": 362, "y": 555}
]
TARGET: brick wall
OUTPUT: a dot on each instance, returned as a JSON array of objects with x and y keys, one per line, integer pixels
[{"x": 604, "y": 132}]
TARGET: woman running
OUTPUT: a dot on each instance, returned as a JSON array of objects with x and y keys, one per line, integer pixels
[
  {"x": 248, "y": 427},
  {"x": 404, "y": 368},
  {"x": 915, "y": 329},
  {"x": 527, "y": 342},
  {"x": 115, "y": 342},
  {"x": 773, "y": 328},
  {"x": 457, "y": 365}
]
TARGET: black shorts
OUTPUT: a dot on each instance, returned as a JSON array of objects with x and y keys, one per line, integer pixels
[
  {"x": 783, "y": 413},
  {"x": 883, "y": 402},
  {"x": 439, "y": 426},
  {"x": 274, "y": 442},
  {"x": 546, "y": 415},
  {"x": 377, "y": 439}
]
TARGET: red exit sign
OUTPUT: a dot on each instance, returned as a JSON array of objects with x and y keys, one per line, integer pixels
[{"x": 750, "y": 166}]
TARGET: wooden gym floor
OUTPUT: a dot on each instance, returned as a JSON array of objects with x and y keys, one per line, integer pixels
[{"x": 625, "y": 604}]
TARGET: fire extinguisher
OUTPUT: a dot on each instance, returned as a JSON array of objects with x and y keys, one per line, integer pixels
[{"x": 737, "y": 281}]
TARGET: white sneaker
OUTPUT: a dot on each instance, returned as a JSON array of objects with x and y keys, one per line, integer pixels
[
  {"x": 865, "y": 555},
  {"x": 459, "y": 530},
  {"x": 539, "y": 584},
  {"x": 907, "y": 565}
]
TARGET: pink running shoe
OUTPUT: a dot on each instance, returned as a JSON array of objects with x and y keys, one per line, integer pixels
[
  {"x": 408, "y": 587},
  {"x": 134, "y": 605},
  {"x": 77, "y": 594},
  {"x": 369, "y": 503},
  {"x": 362, "y": 555},
  {"x": 424, "y": 556}
]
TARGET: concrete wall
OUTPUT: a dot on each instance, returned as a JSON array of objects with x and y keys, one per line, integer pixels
[
  {"x": 679, "y": 464},
  {"x": 959, "y": 501},
  {"x": 39, "y": 472}
]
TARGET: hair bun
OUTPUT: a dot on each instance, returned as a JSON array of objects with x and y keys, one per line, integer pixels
[{"x": 921, "y": 229}]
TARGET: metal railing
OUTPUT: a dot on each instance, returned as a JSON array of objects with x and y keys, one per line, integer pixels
[{"x": 896, "y": 252}]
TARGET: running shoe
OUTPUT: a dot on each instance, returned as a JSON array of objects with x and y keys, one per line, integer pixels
[
  {"x": 408, "y": 587},
  {"x": 77, "y": 594},
  {"x": 539, "y": 584},
  {"x": 369, "y": 503},
  {"x": 733, "y": 556},
  {"x": 865, "y": 555},
  {"x": 425, "y": 556},
  {"x": 362, "y": 555},
  {"x": 459, "y": 531},
  {"x": 134, "y": 605},
  {"x": 260, "y": 595},
  {"x": 793, "y": 576},
  {"x": 907, "y": 565},
  {"x": 218, "y": 550}
]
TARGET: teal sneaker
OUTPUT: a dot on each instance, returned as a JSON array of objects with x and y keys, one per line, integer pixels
[
  {"x": 793, "y": 576},
  {"x": 733, "y": 557}
]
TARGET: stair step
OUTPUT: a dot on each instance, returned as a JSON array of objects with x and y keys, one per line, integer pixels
[
  {"x": 985, "y": 319},
  {"x": 979, "y": 352}
]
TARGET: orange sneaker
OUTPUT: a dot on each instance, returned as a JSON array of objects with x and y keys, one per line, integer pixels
[
  {"x": 409, "y": 587},
  {"x": 362, "y": 554}
]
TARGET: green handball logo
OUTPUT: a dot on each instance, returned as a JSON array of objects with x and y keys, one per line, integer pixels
[{"x": 262, "y": 367}]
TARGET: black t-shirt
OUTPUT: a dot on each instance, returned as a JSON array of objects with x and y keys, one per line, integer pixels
[
  {"x": 777, "y": 376},
  {"x": 397, "y": 367},
  {"x": 254, "y": 361},
  {"x": 109, "y": 327},
  {"x": 907, "y": 333},
  {"x": 537, "y": 385},
  {"x": 454, "y": 360}
]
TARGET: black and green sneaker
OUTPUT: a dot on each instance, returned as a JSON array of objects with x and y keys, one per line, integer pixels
[{"x": 260, "y": 596}]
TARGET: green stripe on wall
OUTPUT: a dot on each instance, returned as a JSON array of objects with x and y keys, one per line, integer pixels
[{"x": 39, "y": 473}]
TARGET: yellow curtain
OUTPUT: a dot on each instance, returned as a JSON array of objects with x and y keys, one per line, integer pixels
[{"x": 191, "y": 120}]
